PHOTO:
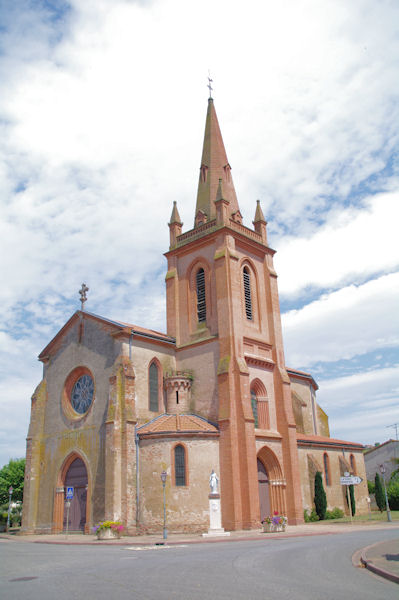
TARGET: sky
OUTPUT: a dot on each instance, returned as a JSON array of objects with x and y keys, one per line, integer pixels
[{"x": 102, "y": 115}]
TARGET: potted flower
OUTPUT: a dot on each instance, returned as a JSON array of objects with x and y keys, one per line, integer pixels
[
  {"x": 275, "y": 523},
  {"x": 107, "y": 530}
]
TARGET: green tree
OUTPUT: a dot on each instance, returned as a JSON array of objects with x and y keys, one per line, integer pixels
[
  {"x": 379, "y": 493},
  {"x": 393, "y": 494},
  {"x": 12, "y": 475},
  {"x": 352, "y": 499},
  {"x": 320, "y": 498}
]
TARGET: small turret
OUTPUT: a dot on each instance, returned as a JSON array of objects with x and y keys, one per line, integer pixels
[
  {"x": 175, "y": 226},
  {"x": 260, "y": 222}
]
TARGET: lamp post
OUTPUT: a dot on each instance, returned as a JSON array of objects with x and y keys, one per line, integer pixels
[
  {"x": 10, "y": 491},
  {"x": 383, "y": 471},
  {"x": 163, "y": 479}
]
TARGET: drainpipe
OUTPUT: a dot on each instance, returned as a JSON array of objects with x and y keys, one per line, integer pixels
[
  {"x": 130, "y": 344},
  {"x": 136, "y": 439}
]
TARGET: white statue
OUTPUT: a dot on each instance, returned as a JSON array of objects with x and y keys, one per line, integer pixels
[{"x": 213, "y": 482}]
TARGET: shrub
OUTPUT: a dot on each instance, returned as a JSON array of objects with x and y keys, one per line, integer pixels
[
  {"x": 371, "y": 487},
  {"x": 320, "y": 498},
  {"x": 310, "y": 518},
  {"x": 379, "y": 493},
  {"x": 335, "y": 513},
  {"x": 393, "y": 495}
]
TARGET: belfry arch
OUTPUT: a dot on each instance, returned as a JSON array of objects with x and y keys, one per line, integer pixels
[
  {"x": 74, "y": 471},
  {"x": 271, "y": 483}
]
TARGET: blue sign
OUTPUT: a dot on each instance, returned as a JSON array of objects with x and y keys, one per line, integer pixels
[{"x": 69, "y": 494}]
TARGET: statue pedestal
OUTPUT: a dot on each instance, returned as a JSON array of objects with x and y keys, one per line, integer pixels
[{"x": 215, "y": 518}]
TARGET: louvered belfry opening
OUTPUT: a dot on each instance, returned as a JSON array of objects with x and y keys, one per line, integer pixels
[
  {"x": 180, "y": 466},
  {"x": 153, "y": 376},
  {"x": 201, "y": 302},
  {"x": 247, "y": 293}
]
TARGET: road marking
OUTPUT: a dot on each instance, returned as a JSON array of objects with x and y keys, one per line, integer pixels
[{"x": 155, "y": 547}]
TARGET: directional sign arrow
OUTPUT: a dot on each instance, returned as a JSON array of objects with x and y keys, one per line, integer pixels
[{"x": 351, "y": 480}]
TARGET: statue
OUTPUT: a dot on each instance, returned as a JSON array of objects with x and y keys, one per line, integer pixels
[{"x": 213, "y": 482}]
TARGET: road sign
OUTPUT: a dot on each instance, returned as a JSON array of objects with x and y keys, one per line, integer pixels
[
  {"x": 351, "y": 480},
  {"x": 69, "y": 494}
]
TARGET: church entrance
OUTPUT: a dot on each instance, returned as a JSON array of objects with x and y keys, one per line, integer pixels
[
  {"x": 76, "y": 477},
  {"x": 264, "y": 495}
]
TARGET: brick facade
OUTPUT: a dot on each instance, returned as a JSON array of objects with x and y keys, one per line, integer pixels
[{"x": 215, "y": 386}]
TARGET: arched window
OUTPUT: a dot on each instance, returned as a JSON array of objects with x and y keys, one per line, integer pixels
[
  {"x": 201, "y": 302},
  {"x": 326, "y": 468},
  {"x": 254, "y": 403},
  {"x": 247, "y": 293},
  {"x": 260, "y": 405},
  {"x": 180, "y": 465},
  {"x": 153, "y": 375},
  {"x": 353, "y": 464}
]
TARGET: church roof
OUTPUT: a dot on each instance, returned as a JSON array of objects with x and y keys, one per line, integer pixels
[
  {"x": 167, "y": 424},
  {"x": 323, "y": 441},
  {"x": 119, "y": 328},
  {"x": 302, "y": 375},
  {"x": 214, "y": 166}
]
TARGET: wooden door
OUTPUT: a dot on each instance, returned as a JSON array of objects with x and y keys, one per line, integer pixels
[
  {"x": 264, "y": 496},
  {"x": 76, "y": 477}
]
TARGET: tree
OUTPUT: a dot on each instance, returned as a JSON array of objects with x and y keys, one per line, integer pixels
[
  {"x": 379, "y": 493},
  {"x": 12, "y": 475},
  {"x": 352, "y": 498},
  {"x": 320, "y": 498}
]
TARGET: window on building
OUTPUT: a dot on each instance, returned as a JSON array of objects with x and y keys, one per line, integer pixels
[
  {"x": 260, "y": 405},
  {"x": 247, "y": 293},
  {"x": 327, "y": 469},
  {"x": 254, "y": 403},
  {"x": 180, "y": 465},
  {"x": 153, "y": 373},
  {"x": 201, "y": 302},
  {"x": 353, "y": 464}
]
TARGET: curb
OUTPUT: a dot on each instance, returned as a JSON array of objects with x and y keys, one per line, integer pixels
[{"x": 368, "y": 564}]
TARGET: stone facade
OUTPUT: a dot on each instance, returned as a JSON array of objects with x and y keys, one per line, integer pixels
[{"x": 119, "y": 403}]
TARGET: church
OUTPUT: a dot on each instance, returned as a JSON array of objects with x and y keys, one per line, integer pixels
[{"x": 119, "y": 403}]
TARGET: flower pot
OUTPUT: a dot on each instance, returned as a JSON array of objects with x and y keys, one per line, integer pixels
[
  {"x": 272, "y": 528},
  {"x": 108, "y": 534}
]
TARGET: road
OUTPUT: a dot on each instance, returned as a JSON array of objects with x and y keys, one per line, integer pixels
[{"x": 302, "y": 568}]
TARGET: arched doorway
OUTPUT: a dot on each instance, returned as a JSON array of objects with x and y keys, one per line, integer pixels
[
  {"x": 264, "y": 494},
  {"x": 271, "y": 482},
  {"x": 76, "y": 477}
]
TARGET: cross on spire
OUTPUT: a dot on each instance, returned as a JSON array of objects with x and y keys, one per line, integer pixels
[
  {"x": 83, "y": 295},
  {"x": 210, "y": 81}
]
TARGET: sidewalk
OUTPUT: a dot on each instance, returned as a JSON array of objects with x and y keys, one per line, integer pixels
[{"x": 381, "y": 558}]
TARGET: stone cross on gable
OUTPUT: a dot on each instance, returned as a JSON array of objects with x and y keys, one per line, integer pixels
[{"x": 83, "y": 295}]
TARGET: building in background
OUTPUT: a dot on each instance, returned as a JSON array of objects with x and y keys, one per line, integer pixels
[
  {"x": 386, "y": 454},
  {"x": 119, "y": 403}
]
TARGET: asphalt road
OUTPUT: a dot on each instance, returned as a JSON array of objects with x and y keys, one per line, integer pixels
[{"x": 302, "y": 568}]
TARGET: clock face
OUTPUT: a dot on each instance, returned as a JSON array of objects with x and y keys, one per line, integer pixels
[{"x": 82, "y": 394}]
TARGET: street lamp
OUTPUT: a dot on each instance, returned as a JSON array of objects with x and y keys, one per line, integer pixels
[
  {"x": 383, "y": 471},
  {"x": 10, "y": 491},
  {"x": 163, "y": 479}
]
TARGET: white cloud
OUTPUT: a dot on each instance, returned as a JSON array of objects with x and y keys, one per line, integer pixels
[
  {"x": 353, "y": 245},
  {"x": 102, "y": 116},
  {"x": 362, "y": 406},
  {"x": 351, "y": 321}
]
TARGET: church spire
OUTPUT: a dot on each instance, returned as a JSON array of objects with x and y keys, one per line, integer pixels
[{"x": 214, "y": 166}]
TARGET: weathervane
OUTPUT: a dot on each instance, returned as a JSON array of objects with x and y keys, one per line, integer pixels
[
  {"x": 83, "y": 295},
  {"x": 210, "y": 81}
]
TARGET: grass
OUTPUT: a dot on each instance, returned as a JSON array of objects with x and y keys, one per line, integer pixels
[{"x": 368, "y": 518}]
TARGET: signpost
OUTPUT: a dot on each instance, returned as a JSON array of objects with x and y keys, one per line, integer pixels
[
  {"x": 348, "y": 480},
  {"x": 69, "y": 497}
]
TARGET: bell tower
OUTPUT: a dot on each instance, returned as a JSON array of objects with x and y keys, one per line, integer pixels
[{"x": 223, "y": 310}]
